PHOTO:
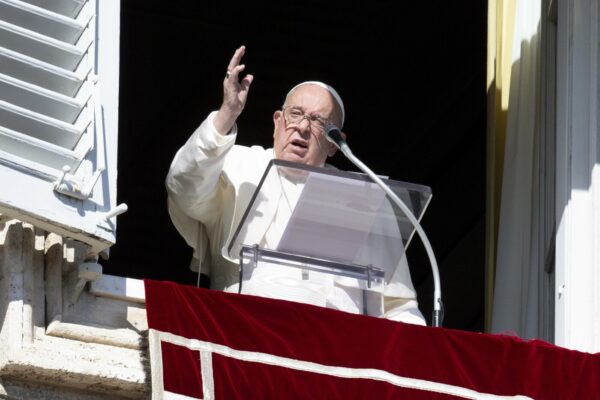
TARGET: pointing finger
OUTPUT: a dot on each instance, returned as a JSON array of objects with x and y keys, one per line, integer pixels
[{"x": 237, "y": 57}]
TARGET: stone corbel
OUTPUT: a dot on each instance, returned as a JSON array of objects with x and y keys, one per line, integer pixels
[
  {"x": 96, "y": 316},
  {"x": 95, "y": 345}
]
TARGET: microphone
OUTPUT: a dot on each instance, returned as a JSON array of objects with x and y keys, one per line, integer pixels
[{"x": 334, "y": 135}]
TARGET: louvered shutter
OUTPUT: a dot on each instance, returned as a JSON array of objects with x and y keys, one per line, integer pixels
[{"x": 59, "y": 73}]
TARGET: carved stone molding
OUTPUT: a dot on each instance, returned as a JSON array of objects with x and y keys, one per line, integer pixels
[{"x": 54, "y": 344}]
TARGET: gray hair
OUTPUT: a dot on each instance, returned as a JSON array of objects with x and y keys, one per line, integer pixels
[{"x": 331, "y": 91}]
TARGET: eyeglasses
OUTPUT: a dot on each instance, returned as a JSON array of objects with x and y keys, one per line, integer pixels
[{"x": 294, "y": 116}]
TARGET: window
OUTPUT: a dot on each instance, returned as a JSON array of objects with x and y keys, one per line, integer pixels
[{"x": 59, "y": 73}]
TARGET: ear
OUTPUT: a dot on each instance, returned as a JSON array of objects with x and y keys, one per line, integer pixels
[
  {"x": 277, "y": 119},
  {"x": 333, "y": 148}
]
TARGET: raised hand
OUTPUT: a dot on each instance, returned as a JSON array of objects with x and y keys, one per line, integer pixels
[{"x": 235, "y": 93}]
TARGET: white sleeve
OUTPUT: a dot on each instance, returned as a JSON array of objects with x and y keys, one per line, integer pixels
[
  {"x": 403, "y": 310},
  {"x": 193, "y": 178}
]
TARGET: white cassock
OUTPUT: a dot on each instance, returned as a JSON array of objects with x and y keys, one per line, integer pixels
[{"x": 210, "y": 184}]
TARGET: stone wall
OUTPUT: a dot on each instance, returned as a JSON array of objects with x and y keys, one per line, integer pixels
[{"x": 61, "y": 336}]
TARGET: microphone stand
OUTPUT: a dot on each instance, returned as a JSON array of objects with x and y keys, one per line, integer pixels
[{"x": 334, "y": 136}]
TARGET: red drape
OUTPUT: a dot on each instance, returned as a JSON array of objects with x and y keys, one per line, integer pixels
[{"x": 262, "y": 348}]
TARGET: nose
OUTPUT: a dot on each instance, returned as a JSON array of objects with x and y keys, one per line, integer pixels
[{"x": 304, "y": 125}]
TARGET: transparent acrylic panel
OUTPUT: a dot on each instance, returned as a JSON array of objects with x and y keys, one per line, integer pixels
[
  {"x": 285, "y": 276},
  {"x": 329, "y": 214}
]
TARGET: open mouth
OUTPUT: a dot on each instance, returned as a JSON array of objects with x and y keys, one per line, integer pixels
[{"x": 299, "y": 144}]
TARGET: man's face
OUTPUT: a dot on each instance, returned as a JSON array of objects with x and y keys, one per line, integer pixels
[{"x": 303, "y": 142}]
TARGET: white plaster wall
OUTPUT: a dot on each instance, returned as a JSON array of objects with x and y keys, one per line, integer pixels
[{"x": 577, "y": 178}]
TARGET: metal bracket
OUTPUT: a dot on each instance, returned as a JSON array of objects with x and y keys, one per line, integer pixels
[
  {"x": 104, "y": 219},
  {"x": 369, "y": 272},
  {"x": 241, "y": 271},
  {"x": 118, "y": 210},
  {"x": 255, "y": 255},
  {"x": 70, "y": 185}
]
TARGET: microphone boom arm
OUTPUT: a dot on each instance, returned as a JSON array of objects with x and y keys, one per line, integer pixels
[{"x": 337, "y": 139}]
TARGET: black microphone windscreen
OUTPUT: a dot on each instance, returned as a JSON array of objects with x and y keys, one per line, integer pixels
[{"x": 334, "y": 135}]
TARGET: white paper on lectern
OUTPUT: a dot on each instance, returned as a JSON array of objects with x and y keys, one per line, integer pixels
[{"x": 332, "y": 218}]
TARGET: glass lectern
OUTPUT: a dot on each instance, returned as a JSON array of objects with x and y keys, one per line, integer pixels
[{"x": 326, "y": 222}]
